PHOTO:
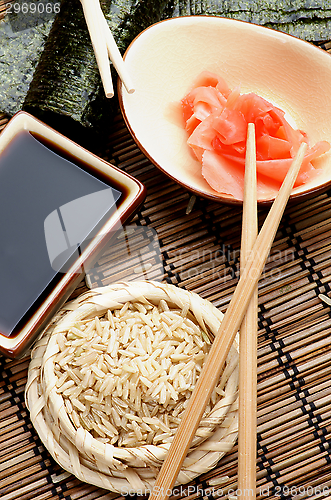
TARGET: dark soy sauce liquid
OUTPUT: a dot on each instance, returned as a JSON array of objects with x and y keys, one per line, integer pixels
[{"x": 51, "y": 204}]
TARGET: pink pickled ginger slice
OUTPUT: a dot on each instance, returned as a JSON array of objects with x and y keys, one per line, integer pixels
[{"x": 217, "y": 118}]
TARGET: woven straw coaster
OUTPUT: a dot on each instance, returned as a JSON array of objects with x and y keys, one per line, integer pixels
[{"x": 94, "y": 460}]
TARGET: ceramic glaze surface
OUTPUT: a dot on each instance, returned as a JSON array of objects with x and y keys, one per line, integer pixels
[
  {"x": 165, "y": 59},
  {"x": 59, "y": 207}
]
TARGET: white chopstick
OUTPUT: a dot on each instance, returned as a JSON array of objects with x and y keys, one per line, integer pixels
[
  {"x": 95, "y": 29},
  {"x": 105, "y": 47}
]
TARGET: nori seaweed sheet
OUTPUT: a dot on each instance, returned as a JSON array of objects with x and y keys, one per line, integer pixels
[
  {"x": 66, "y": 88},
  {"x": 307, "y": 30},
  {"x": 306, "y": 19},
  {"x": 19, "y": 55}
]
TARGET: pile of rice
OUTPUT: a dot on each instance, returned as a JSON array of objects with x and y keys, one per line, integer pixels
[
  {"x": 126, "y": 377},
  {"x": 107, "y": 389}
]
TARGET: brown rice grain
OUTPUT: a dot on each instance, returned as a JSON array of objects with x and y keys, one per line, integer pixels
[{"x": 135, "y": 363}]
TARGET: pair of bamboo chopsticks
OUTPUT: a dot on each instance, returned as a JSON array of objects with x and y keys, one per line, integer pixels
[
  {"x": 105, "y": 47},
  {"x": 254, "y": 260}
]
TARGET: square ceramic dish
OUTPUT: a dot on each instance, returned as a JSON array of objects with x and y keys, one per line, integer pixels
[{"x": 59, "y": 205}]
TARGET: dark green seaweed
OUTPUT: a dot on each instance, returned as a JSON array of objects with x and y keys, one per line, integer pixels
[
  {"x": 19, "y": 56},
  {"x": 306, "y": 19},
  {"x": 132, "y": 17},
  {"x": 272, "y": 18},
  {"x": 307, "y": 30},
  {"x": 66, "y": 88}
]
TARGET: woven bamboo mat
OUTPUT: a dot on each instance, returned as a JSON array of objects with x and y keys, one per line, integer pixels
[
  {"x": 197, "y": 248},
  {"x": 200, "y": 252}
]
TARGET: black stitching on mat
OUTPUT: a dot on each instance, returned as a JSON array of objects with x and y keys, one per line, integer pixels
[
  {"x": 262, "y": 309},
  {"x": 301, "y": 395},
  {"x": 172, "y": 275},
  {"x": 205, "y": 489},
  {"x": 286, "y": 363},
  {"x": 271, "y": 476},
  {"x": 272, "y": 336},
  {"x": 301, "y": 253},
  {"x": 327, "y": 287},
  {"x": 57, "y": 489},
  {"x": 266, "y": 464},
  {"x": 38, "y": 448},
  {"x": 319, "y": 432},
  {"x": 261, "y": 447},
  {"x": 40, "y": 451},
  {"x": 226, "y": 250},
  {"x": 266, "y": 324},
  {"x": 296, "y": 372}
]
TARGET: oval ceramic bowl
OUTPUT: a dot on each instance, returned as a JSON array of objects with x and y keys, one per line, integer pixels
[{"x": 165, "y": 59}]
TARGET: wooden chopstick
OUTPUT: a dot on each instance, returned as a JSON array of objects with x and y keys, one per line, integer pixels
[
  {"x": 224, "y": 338},
  {"x": 95, "y": 28},
  {"x": 248, "y": 336}
]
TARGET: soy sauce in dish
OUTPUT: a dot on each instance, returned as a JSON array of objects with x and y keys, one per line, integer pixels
[{"x": 51, "y": 205}]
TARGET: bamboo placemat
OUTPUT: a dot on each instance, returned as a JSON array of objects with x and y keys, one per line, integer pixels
[{"x": 198, "y": 250}]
